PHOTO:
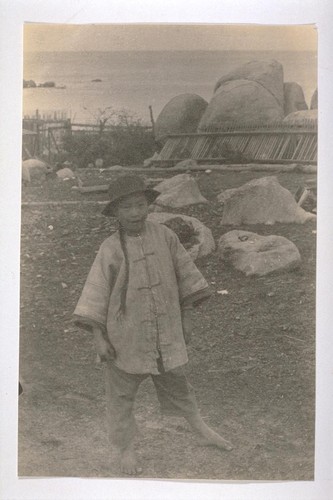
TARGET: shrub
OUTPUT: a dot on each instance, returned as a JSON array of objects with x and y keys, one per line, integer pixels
[{"x": 126, "y": 142}]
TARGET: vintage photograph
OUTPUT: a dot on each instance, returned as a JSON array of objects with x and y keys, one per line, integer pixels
[{"x": 168, "y": 252}]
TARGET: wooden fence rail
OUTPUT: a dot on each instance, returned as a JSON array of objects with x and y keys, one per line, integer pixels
[
  {"x": 46, "y": 136},
  {"x": 284, "y": 144}
]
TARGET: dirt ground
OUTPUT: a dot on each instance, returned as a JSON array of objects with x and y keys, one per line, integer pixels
[{"x": 252, "y": 357}]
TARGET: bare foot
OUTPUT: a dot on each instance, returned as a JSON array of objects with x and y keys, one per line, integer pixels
[
  {"x": 128, "y": 462},
  {"x": 212, "y": 438},
  {"x": 208, "y": 437}
]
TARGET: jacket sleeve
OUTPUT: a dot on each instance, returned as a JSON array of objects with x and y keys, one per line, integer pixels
[
  {"x": 193, "y": 288},
  {"x": 92, "y": 307}
]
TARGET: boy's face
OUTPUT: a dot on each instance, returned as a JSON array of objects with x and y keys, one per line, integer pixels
[{"x": 132, "y": 212}]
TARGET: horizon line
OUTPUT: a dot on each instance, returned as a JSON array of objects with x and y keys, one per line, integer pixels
[{"x": 176, "y": 50}]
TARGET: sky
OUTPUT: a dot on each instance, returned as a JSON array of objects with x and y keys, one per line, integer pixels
[{"x": 106, "y": 37}]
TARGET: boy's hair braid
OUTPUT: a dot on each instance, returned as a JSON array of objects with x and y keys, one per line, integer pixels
[{"x": 123, "y": 292}]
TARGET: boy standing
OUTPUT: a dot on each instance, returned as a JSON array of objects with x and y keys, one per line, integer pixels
[{"x": 137, "y": 300}]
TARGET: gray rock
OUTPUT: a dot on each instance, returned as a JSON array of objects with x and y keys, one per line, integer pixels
[
  {"x": 253, "y": 254},
  {"x": 99, "y": 163},
  {"x": 241, "y": 101},
  {"x": 65, "y": 173},
  {"x": 179, "y": 191},
  {"x": 302, "y": 118},
  {"x": 268, "y": 74},
  {"x": 293, "y": 98},
  {"x": 202, "y": 241},
  {"x": 186, "y": 164},
  {"x": 115, "y": 168},
  {"x": 180, "y": 115},
  {"x": 149, "y": 161},
  {"x": 261, "y": 201},
  {"x": 29, "y": 84},
  {"x": 314, "y": 100},
  {"x": 35, "y": 171}
]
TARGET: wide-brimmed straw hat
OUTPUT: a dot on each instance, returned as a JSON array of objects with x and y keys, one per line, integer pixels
[{"x": 124, "y": 186}]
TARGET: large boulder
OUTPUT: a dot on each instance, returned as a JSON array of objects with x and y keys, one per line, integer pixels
[
  {"x": 179, "y": 191},
  {"x": 241, "y": 102},
  {"x": 261, "y": 201},
  {"x": 34, "y": 171},
  {"x": 293, "y": 98},
  {"x": 193, "y": 234},
  {"x": 258, "y": 255},
  {"x": 269, "y": 74},
  {"x": 314, "y": 100},
  {"x": 180, "y": 115},
  {"x": 302, "y": 118}
]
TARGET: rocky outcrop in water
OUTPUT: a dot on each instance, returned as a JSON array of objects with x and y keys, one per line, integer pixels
[{"x": 28, "y": 84}]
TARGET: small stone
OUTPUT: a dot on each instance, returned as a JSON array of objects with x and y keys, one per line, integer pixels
[
  {"x": 64, "y": 285},
  {"x": 65, "y": 174},
  {"x": 50, "y": 228},
  {"x": 99, "y": 163},
  {"x": 223, "y": 292},
  {"x": 115, "y": 168}
]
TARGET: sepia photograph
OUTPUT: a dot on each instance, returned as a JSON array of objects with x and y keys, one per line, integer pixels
[{"x": 168, "y": 252}]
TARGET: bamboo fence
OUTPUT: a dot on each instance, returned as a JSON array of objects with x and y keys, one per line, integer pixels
[{"x": 273, "y": 143}]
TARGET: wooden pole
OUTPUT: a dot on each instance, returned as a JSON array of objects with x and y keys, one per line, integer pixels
[
  {"x": 152, "y": 119},
  {"x": 49, "y": 144},
  {"x": 38, "y": 132}
]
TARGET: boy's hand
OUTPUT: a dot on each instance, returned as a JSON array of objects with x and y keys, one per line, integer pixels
[
  {"x": 104, "y": 349},
  {"x": 187, "y": 325}
]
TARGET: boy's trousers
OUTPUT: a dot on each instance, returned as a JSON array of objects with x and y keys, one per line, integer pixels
[{"x": 175, "y": 395}]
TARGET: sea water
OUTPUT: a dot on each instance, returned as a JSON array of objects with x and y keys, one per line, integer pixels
[{"x": 135, "y": 80}]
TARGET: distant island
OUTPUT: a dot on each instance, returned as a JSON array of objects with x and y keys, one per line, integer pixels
[{"x": 29, "y": 84}]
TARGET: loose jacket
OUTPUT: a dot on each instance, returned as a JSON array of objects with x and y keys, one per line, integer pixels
[{"x": 162, "y": 279}]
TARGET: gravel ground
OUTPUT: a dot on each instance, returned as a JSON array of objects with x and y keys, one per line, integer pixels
[{"x": 252, "y": 357}]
